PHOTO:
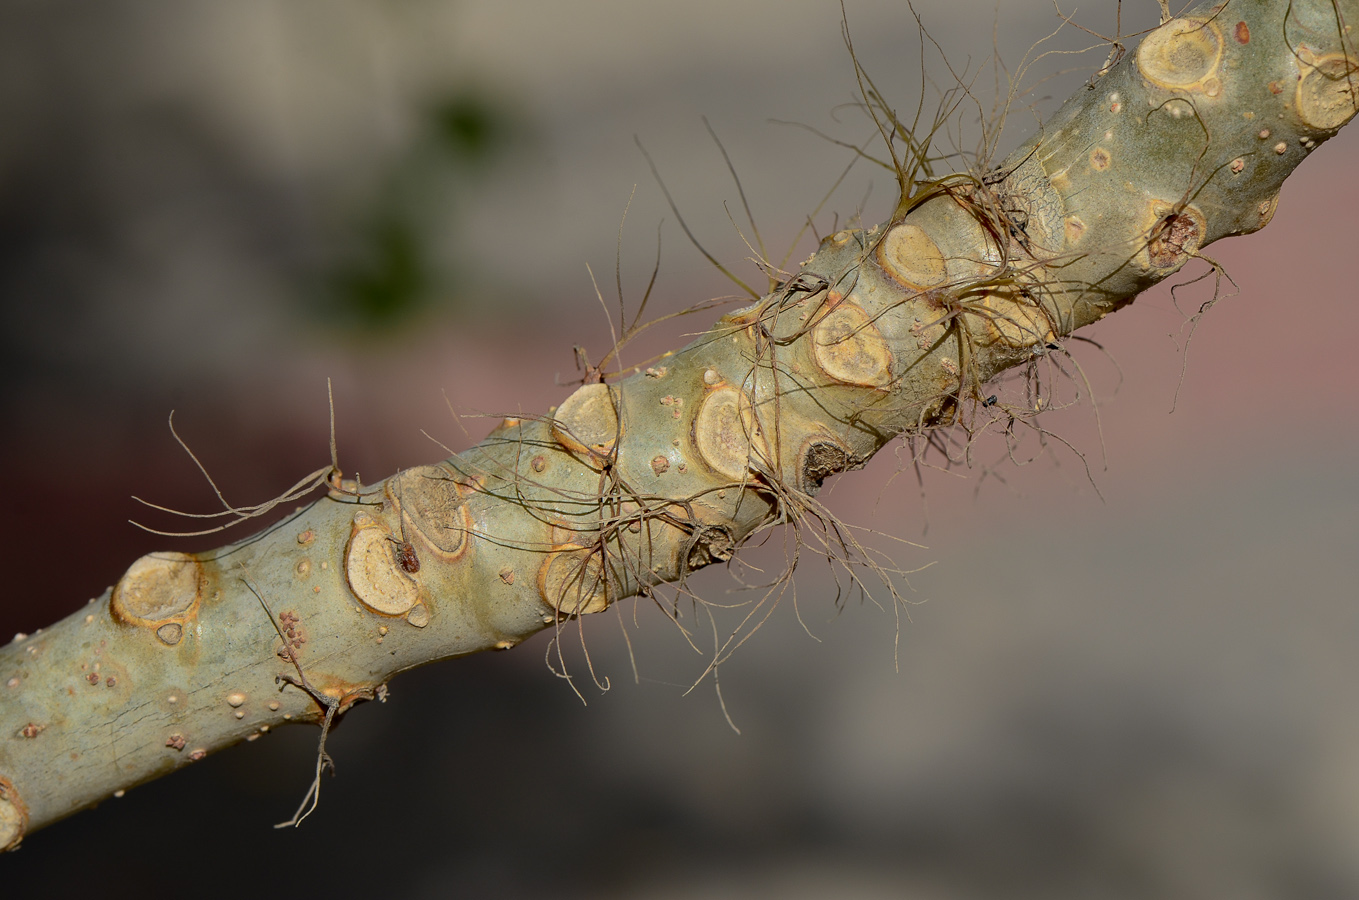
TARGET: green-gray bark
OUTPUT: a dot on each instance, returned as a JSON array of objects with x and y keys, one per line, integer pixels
[{"x": 639, "y": 481}]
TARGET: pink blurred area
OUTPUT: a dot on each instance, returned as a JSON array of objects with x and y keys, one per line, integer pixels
[{"x": 1127, "y": 675}]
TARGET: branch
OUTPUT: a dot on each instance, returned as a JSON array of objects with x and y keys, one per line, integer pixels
[{"x": 628, "y": 485}]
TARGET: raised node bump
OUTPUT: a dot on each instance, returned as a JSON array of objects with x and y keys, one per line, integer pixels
[
  {"x": 849, "y": 347},
  {"x": 1328, "y": 93},
  {"x": 1016, "y": 323},
  {"x": 1183, "y": 55},
  {"x": 911, "y": 257},
  {"x": 157, "y": 587},
  {"x": 571, "y": 581},
  {"x": 375, "y": 575},
  {"x": 587, "y": 421},
  {"x": 13, "y": 816},
  {"x": 725, "y": 433},
  {"x": 432, "y": 506}
]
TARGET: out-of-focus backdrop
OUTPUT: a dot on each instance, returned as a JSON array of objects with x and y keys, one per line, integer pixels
[{"x": 214, "y": 207}]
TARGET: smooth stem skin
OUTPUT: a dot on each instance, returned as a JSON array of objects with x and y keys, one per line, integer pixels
[{"x": 634, "y": 483}]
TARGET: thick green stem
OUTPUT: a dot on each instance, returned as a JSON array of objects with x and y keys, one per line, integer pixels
[{"x": 639, "y": 482}]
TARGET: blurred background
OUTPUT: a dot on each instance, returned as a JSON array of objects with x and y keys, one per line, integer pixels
[{"x": 1141, "y": 691}]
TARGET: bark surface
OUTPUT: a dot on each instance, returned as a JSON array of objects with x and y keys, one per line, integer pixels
[{"x": 633, "y": 483}]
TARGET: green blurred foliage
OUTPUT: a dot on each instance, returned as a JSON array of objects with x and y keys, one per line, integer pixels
[
  {"x": 471, "y": 129},
  {"x": 397, "y": 265},
  {"x": 390, "y": 281}
]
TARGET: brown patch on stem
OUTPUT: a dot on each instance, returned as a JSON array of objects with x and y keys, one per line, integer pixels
[
  {"x": 1074, "y": 229},
  {"x": 819, "y": 458},
  {"x": 1266, "y": 211},
  {"x": 294, "y": 635},
  {"x": 1174, "y": 235}
]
